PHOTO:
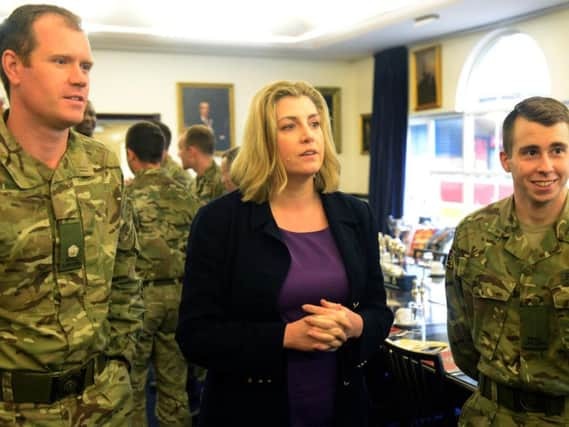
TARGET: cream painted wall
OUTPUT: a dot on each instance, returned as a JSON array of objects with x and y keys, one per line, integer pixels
[
  {"x": 551, "y": 32},
  {"x": 355, "y": 166},
  {"x": 132, "y": 82}
]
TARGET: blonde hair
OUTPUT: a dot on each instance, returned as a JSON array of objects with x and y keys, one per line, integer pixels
[{"x": 258, "y": 170}]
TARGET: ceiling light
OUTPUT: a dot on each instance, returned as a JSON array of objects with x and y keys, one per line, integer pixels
[{"x": 426, "y": 19}]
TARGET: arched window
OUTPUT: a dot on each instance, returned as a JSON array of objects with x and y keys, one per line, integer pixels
[
  {"x": 504, "y": 68},
  {"x": 453, "y": 159}
]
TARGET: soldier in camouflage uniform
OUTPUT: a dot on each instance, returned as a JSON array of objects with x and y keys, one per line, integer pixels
[
  {"x": 507, "y": 280},
  {"x": 89, "y": 122},
  {"x": 70, "y": 304},
  {"x": 196, "y": 148},
  {"x": 164, "y": 210},
  {"x": 226, "y": 161},
  {"x": 173, "y": 168}
]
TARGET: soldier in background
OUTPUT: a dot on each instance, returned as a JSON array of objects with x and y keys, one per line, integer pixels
[
  {"x": 226, "y": 161},
  {"x": 163, "y": 210},
  {"x": 177, "y": 172},
  {"x": 70, "y": 304},
  {"x": 196, "y": 148},
  {"x": 87, "y": 126},
  {"x": 507, "y": 280}
]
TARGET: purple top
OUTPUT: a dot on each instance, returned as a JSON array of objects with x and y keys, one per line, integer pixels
[{"x": 316, "y": 271}]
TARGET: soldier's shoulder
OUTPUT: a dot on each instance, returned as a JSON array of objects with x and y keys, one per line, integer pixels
[
  {"x": 482, "y": 217},
  {"x": 96, "y": 151}
]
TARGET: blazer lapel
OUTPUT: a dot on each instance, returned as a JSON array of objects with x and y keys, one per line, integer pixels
[{"x": 261, "y": 218}]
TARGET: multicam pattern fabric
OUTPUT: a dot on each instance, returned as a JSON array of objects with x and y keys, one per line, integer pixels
[
  {"x": 68, "y": 288},
  {"x": 208, "y": 186},
  {"x": 177, "y": 172},
  {"x": 107, "y": 403},
  {"x": 481, "y": 412},
  {"x": 157, "y": 345},
  {"x": 164, "y": 210},
  {"x": 508, "y": 302}
]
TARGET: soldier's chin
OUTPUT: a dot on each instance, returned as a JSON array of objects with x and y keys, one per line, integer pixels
[{"x": 67, "y": 123}]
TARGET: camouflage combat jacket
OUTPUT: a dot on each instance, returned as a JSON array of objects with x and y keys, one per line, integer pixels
[
  {"x": 208, "y": 186},
  {"x": 500, "y": 292},
  {"x": 163, "y": 211},
  {"x": 68, "y": 288},
  {"x": 177, "y": 172}
]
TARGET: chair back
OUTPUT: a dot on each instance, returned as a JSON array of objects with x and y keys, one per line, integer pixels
[{"x": 420, "y": 384}]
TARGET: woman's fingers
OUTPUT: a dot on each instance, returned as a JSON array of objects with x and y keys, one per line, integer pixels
[{"x": 328, "y": 335}]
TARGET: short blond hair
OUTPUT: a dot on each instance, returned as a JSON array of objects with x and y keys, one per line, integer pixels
[{"x": 258, "y": 170}]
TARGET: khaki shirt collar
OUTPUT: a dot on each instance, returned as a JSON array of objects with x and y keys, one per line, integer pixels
[{"x": 27, "y": 172}]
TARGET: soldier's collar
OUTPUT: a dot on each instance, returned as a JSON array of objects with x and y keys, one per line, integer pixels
[
  {"x": 562, "y": 226},
  {"x": 509, "y": 223}
]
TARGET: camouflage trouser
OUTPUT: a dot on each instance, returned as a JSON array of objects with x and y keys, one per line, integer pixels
[
  {"x": 107, "y": 403},
  {"x": 158, "y": 346},
  {"x": 481, "y": 412}
]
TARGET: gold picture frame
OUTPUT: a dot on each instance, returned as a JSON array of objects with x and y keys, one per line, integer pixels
[
  {"x": 333, "y": 97},
  {"x": 426, "y": 79},
  {"x": 365, "y": 133},
  {"x": 219, "y": 117}
]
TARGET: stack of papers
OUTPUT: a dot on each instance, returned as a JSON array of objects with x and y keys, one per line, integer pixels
[{"x": 421, "y": 346}]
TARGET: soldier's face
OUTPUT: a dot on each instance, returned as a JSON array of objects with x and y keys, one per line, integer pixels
[
  {"x": 52, "y": 90},
  {"x": 539, "y": 164},
  {"x": 225, "y": 176},
  {"x": 87, "y": 126},
  {"x": 185, "y": 153}
]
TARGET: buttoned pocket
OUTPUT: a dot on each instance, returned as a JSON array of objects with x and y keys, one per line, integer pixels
[
  {"x": 560, "y": 295},
  {"x": 491, "y": 293},
  {"x": 26, "y": 255}
]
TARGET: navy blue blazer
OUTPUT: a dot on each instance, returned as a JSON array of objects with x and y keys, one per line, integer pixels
[{"x": 229, "y": 320}]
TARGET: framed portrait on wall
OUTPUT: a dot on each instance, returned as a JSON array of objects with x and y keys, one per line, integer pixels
[
  {"x": 365, "y": 132},
  {"x": 426, "y": 80},
  {"x": 111, "y": 130},
  {"x": 209, "y": 104},
  {"x": 332, "y": 96}
]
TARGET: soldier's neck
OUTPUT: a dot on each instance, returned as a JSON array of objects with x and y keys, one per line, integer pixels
[
  {"x": 42, "y": 142},
  {"x": 530, "y": 214},
  {"x": 203, "y": 165}
]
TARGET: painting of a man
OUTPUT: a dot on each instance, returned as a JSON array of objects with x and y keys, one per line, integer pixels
[
  {"x": 427, "y": 78},
  {"x": 210, "y": 105}
]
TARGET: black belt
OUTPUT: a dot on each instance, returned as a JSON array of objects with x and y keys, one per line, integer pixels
[
  {"x": 38, "y": 387},
  {"x": 520, "y": 400},
  {"x": 162, "y": 282}
]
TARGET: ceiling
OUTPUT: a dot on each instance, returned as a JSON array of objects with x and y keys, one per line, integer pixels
[{"x": 315, "y": 29}]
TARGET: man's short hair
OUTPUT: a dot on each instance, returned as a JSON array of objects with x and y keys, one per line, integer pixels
[
  {"x": 542, "y": 110},
  {"x": 146, "y": 140},
  {"x": 16, "y": 32},
  {"x": 166, "y": 131},
  {"x": 201, "y": 137},
  {"x": 230, "y": 155}
]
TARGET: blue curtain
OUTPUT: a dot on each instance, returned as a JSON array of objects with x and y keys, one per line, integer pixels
[{"x": 388, "y": 139}]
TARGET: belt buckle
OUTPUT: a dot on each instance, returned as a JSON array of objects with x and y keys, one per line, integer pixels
[
  {"x": 70, "y": 383},
  {"x": 531, "y": 402}
]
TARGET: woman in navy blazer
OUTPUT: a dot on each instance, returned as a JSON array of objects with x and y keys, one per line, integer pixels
[{"x": 246, "y": 266}]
